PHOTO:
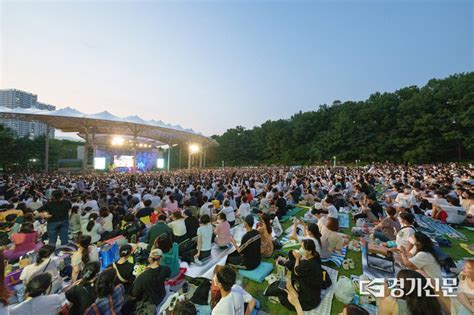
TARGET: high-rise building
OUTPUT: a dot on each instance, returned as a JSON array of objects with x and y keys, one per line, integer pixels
[{"x": 12, "y": 98}]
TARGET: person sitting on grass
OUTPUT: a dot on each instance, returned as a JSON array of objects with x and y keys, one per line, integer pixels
[
  {"x": 424, "y": 258},
  {"x": 234, "y": 299},
  {"x": 247, "y": 255},
  {"x": 82, "y": 293},
  {"x": 39, "y": 299},
  {"x": 388, "y": 228},
  {"x": 331, "y": 239},
  {"x": 307, "y": 273},
  {"x": 149, "y": 287},
  {"x": 265, "y": 230},
  {"x": 311, "y": 232},
  {"x": 222, "y": 231},
  {"x": 109, "y": 296},
  {"x": 418, "y": 297},
  {"x": 204, "y": 239},
  {"x": 159, "y": 228}
]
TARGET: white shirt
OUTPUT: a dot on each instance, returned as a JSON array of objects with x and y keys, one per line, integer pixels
[
  {"x": 233, "y": 303},
  {"x": 332, "y": 212},
  {"x": 43, "y": 304},
  {"x": 50, "y": 265},
  {"x": 178, "y": 227},
  {"x": 427, "y": 263},
  {"x": 205, "y": 209},
  {"x": 229, "y": 213},
  {"x": 244, "y": 210},
  {"x": 91, "y": 203}
]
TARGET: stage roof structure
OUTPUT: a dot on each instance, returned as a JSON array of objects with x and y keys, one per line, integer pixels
[
  {"x": 94, "y": 128},
  {"x": 104, "y": 123}
]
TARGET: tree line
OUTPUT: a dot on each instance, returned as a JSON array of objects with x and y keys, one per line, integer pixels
[{"x": 433, "y": 123}]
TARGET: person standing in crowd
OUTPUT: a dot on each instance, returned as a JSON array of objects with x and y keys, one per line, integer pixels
[{"x": 57, "y": 215}]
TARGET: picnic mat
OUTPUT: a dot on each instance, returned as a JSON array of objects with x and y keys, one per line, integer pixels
[
  {"x": 328, "y": 294},
  {"x": 438, "y": 228},
  {"x": 217, "y": 256},
  {"x": 291, "y": 213},
  {"x": 343, "y": 220},
  {"x": 336, "y": 257}
]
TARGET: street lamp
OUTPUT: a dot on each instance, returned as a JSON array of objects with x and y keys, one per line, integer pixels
[{"x": 334, "y": 158}]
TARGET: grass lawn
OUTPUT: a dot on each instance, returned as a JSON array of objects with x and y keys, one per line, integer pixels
[{"x": 256, "y": 289}]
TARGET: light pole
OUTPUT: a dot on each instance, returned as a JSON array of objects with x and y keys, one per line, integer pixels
[{"x": 334, "y": 159}]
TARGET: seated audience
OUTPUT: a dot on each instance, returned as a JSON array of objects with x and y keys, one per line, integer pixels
[
  {"x": 149, "y": 287},
  {"x": 82, "y": 293},
  {"x": 247, "y": 255},
  {"x": 38, "y": 298},
  {"x": 110, "y": 297}
]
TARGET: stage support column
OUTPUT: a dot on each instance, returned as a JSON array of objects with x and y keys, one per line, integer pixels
[
  {"x": 189, "y": 159},
  {"x": 169, "y": 156},
  {"x": 86, "y": 149},
  {"x": 135, "y": 153},
  {"x": 46, "y": 150},
  {"x": 204, "y": 157},
  {"x": 200, "y": 159}
]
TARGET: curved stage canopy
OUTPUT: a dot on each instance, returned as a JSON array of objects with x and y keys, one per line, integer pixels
[
  {"x": 104, "y": 123},
  {"x": 98, "y": 129}
]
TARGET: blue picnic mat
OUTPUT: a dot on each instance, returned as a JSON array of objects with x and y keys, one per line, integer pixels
[
  {"x": 438, "y": 228},
  {"x": 343, "y": 220}
]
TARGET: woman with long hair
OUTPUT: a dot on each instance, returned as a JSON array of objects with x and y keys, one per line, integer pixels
[
  {"x": 124, "y": 268},
  {"x": 110, "y": 298},
  {"x": 306, "y": 277},
  {"x": 265, "y": 230},
  {"x": 418, "y": 298},
  {"x": 44, "y": 263},
  {"x": 83, "y": 255},
  {"x": 424, "y": 257},
  {"x": 82, "y": 293},
  {"x": 93, "y": 228},
  {"x": 39, "y": 299}
]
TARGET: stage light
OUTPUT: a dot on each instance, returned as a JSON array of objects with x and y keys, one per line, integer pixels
[
  {"x": 118, "y": 140},
  {"x": 194, "y": 148}
]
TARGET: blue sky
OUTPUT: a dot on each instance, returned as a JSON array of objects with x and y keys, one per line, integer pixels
[{"x": 213, "y": 65}]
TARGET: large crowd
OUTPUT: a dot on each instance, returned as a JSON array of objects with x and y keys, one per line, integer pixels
[{"x": 56, "y": 231}]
